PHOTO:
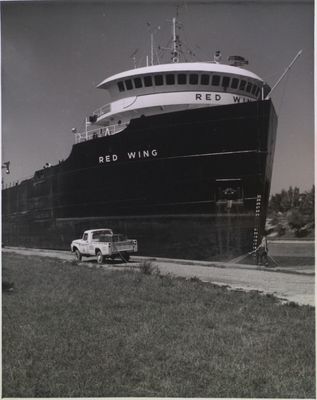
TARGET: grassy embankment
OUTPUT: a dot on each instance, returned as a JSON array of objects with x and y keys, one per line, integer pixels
[{"x": 73, "y": 331}]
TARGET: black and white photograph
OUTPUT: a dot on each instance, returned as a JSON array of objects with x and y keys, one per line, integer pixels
[{"x": 158, "y": 214}]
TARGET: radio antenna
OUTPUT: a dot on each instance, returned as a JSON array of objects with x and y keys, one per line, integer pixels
[{"x": 284, "y": 73}]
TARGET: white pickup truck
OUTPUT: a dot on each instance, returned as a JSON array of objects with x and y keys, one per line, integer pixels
[{"x": 103, "y": 243}]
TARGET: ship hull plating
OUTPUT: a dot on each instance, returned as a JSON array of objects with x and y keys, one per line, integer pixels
[{"x": 189, "y": 184}]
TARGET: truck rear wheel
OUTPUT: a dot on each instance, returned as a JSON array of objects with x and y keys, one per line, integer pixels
[
  {"x": 78, "y": 255},
  {"x": 126, "y": 256},
  {"x": 100, "y": 257}
]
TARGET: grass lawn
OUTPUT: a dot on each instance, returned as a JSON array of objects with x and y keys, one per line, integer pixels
[{"x": 71, "y": 331}]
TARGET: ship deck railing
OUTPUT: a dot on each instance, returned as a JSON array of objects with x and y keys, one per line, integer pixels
[
  {"x": 98, "y": 133},
  {"x": 102, "y": 110}
]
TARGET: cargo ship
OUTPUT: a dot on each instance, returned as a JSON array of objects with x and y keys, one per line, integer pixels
[{"x": 180, "y": 158}]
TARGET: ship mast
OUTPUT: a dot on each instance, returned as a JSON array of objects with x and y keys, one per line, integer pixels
[
  {"x": 175, "y": 53},
  {"x": 152, "y": 49}
]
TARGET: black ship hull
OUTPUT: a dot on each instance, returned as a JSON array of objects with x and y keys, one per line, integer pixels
[{"x": 189, "y": 184}]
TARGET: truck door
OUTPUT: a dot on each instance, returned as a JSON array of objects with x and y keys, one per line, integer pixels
[{"x": 84, "y": 249}]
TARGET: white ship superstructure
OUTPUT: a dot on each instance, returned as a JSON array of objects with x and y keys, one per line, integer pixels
[
  {"x": 177, "y": 86},
  {"x": 165, "y": 88},
  {"x": 174, "y": 87}
]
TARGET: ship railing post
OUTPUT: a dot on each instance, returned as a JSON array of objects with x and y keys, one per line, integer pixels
[{"x": 86, "y": 131}]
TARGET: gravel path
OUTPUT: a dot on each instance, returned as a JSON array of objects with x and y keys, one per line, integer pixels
[
  {"x": 299, "y": 288},
  {"x": 291, "y": 287}
]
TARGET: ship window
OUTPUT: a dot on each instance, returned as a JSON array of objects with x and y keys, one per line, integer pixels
[
  {"x": 204, "y": 79},
  {"x": 120, "y": 86},
  {"x": 215, "y": 80},
  {"x": 128, "y": 84},
  {"x": 158, "y": 79},
  {"x": 257, "y": 91},
  {"x": 249, "y": 85},
  {"x": 234, "y": 83},
  {"x": 148, "y": 81},
  {"x": 242, "y": 85},
  {"x": 225, "y": 81},
  {"x": 181, "y": 79},
  {"x": 193, "y": 79},
  {"x": 137, "y": 82},
  {"x": 254, "y": 89},
  {"x": 170, "y": 79}
]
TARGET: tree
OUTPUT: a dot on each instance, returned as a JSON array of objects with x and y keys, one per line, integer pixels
[
  {"x": 292, "y": 198},
  {"x": 307, "y": 203},
  {"x": 298, "y": 208}
]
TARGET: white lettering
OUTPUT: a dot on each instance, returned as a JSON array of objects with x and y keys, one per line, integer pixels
[
  {"x": 132, "y": 155},
  {"x": 108, "y": 158}
]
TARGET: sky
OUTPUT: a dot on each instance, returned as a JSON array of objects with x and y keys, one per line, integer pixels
[{"x": 55, "y": 53}]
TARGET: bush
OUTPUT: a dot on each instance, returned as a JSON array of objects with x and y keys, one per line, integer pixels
[
  {"x": 295, "y": 219},
  {"x": 281, "y": 230},
  {"x": 148, "y": 268}
]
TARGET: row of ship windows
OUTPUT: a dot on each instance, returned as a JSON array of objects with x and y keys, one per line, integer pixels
[{"x": 192, "y": 79}]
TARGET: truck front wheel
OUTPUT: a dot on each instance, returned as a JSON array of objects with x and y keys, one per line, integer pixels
[
  {"x": 99, "y": 257},
  {"x": 78, "y": 255}
]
